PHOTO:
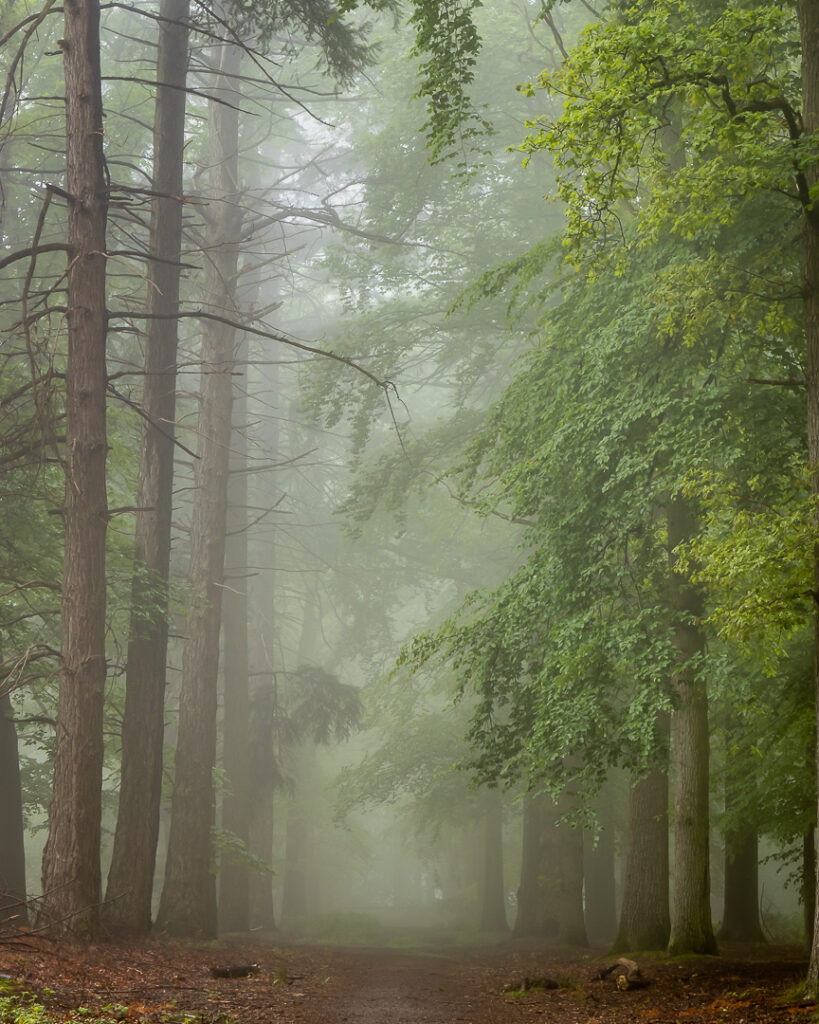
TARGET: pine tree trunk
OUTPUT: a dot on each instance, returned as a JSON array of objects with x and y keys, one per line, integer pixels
[
  {"x": 12, "y": 836},
  {"x": 71, "y": 862},
  {"x": 808, "y": 887},
  {"x": 644, "y": 915},
  {"x": 188, "y": 902},
  {"x": 131, "y": 875},
  {"x": 234, "y": 876},
  {"x": 493, "y": 895},
  {"x": 691, "y": 929}
]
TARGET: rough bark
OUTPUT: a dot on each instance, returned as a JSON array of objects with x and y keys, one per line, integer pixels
[
  {"x": 234, "y": 875},
  {"x": 71, "y": 862},
  {"x": 131, "y": 875},
  {"x": 188, "y": 902},
  {"x": 644, "y": 915},
  {"x": 12, "y": 843},
  {"x": 493, "y": 896},
  {"x": 691, "y": 928}
]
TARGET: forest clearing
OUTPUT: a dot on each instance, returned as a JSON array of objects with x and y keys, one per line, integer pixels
[{"x": 169, "y": 984}]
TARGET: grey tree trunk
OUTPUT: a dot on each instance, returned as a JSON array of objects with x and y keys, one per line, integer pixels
[
  {"x": 550, "y": 897},
  {"x": 740, "y": 918},
  {"x": 12, "y": 842},
  {"x": 644, "y": 915},
  {"x": 493, "y": 895},
  {"x": 234, "y": 875},
  {"x": 71, "y": 861},
  {"x": 691, "y": 928},
  {"x": 131, "y": 875},
  {"x": 188, "y": 902}
]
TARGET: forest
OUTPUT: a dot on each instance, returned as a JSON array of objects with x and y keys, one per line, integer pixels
[{"x": 409, "y": 467}]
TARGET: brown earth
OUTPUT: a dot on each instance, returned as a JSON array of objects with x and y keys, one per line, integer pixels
[{"x": 161, "y": 983}]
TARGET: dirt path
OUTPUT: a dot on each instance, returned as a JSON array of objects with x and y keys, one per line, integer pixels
[
  {"x": 160, "y": 983},
  {"x": 387, "y": 988}
]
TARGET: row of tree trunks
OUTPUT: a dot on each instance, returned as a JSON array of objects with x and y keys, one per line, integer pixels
[
  {"x": 71, "y": 862},
  {"x": 188, "y": 902},
  {"x": 131, "y": 875}
]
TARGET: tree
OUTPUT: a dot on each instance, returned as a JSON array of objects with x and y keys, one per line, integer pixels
[
  {"x": 130, "y": 878},
  {"x": 71, "y": 865}
]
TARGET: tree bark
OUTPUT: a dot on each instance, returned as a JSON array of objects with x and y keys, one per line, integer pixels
[
  {"x": 234, "y": 876},
  {"x": 12, "y": 836},
  {"x": 493, "y": 895},
  {"x": 131, "y": 875},
  {"x": 71, "y": 861},
  {"x": 528, "y": 918},
  {"x": 644, "y": 915},
  {"x": 691, "y": 928},
  {"x": 188, "y": 902}
]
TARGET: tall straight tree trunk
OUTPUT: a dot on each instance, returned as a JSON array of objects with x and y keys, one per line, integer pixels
[
  {"x": 262, "y": 752},
  {"x": 740, "y": 917},
  {"x": 71, "y": 862},
  {"x": 528, "y": 917},
  {"x": 12, "y": 843},
  {"x": 691, "y": 928},
  {"x": 234, "y": 875},
  {"x": 188, "y": 902},
  {"x": 550, "y": 898},
  {"x": 131, "y": 876},
  {"x": 493, "y": 895},
  {"x": 599, "y": 883},
  {"x": 809, "y": 28},
  {"x": 644, "y": 915}
]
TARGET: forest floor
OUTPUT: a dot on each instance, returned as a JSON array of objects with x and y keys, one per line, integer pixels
[{"x": 161, "y": 983}]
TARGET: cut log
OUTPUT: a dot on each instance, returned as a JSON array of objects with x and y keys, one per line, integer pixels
[{"x": 628, "y": 974}]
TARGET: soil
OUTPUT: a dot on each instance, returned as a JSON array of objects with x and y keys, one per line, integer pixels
[{"x": 161, "y": 983}]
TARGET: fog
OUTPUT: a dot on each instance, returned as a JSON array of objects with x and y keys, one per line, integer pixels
[{"x": 441, "y": 551}]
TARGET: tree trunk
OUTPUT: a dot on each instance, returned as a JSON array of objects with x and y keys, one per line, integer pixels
[
  {"x": 691, "y": 929},
  {"x": 12, "y": 844},
  {"x": 71, "y": 861},
  {"x": 599, "y": 887},
  {"x": 261, "y": 751},
  {"x": 234, "y": 875},
  {"x": 493, "y": 895},
  {"x": 808, "y": 887},
  {"x": 644, "y": 916},
  {"x": 740, "y": 918},
  {"x": 809, "y": 27},
  {"x": 131, "y": 875},
  {"x": 552, "y": 876},
  {"x": 188, "y": 903},
  {"x": 528, "y": 917},
  {"x": 295, "y": 897}
]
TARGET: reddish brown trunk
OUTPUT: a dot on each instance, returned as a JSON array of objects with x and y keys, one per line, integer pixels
[
  {"x": 130, "y": 879},
  {"x": 188, "y": 904},
  {"x": 71, "y": 862}
]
